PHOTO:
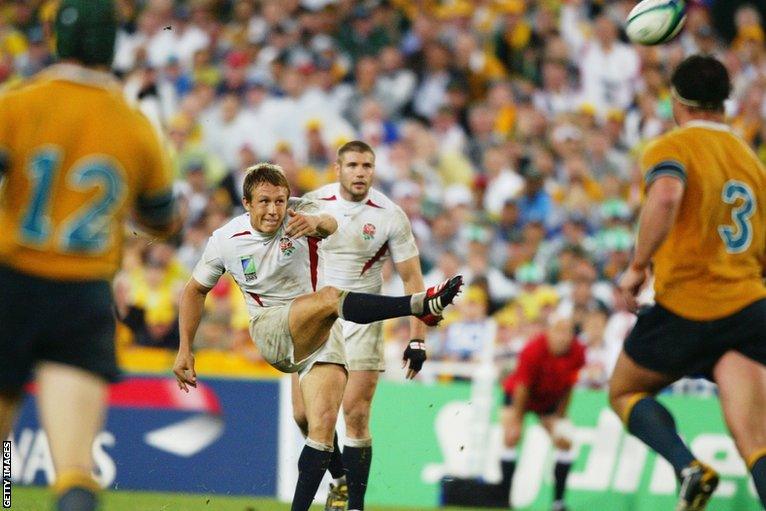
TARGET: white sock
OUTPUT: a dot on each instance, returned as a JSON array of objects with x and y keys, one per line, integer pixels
[
  {"x": 319, "y": 446},
  {"x": 357, "y": 442},
  {"x": 417, "y": 303},
  {"x": 508, "y": 454},
  {"x": 562, "y": 456}
]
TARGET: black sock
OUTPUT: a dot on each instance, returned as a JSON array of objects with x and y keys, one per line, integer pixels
[
  {"x": 652, "y": 423},
  {"x": 77, "y": 499},
  {"x": 758, "y": 470},
  {"x": 311, "y": 468},
  {"x": 336, "y": 461},
  {"x": 365, "y": 308},
  {"x": 357, "y": 462},
  {"x": 508, "y": 467},
  {"x": 561, "y": 471}
]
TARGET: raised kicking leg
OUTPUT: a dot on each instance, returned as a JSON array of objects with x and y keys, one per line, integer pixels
[{"x": 312, "y": 315}]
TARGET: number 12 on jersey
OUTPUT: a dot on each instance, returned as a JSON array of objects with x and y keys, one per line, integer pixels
[
  {"x": 87, "y": 229},
  {"x": 738, "y": 238}
]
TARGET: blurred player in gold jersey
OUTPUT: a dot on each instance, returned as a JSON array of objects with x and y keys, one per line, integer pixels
[
  {"x": 703, "y": 230},
  {"x": 75, "y": 160}
]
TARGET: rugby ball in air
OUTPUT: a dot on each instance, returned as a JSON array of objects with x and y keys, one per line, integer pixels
[{"x": 655, "y": 21}]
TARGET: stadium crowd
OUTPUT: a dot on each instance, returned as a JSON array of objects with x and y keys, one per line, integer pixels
[{"x": 506, "y": 129}]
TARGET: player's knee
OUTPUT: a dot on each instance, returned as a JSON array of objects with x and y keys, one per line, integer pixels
[
  {"x": 563, "y": 444},
  {"x": 616, "y": 398},
  {"x": 329, "y": 296},
  {"x": 357, "y": 421},
  {"x": 511, "y": 436},
  {"x": 562, "y": 432},
  {"x": 748, "y": 435},
  {"x": 322, "y": 422}
]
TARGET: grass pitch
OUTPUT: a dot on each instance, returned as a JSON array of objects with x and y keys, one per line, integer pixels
[{"x": 39, "y": 499}]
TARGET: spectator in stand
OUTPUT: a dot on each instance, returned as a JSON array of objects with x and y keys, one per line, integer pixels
[
  {"x": 513, "y": 37},
  {"x": 535, "y": 203},
  {"x": 226, "y": 130},
  {"x": 396, "y": 83},
  {"x": 433, "y": 83},
  {"x": 193, "y": 192},
  {"x": 366, "y": 37},
  {"x": 481, "y": 123},
  {"x": 423, "y": 31},
  {"x": 557, "y": 95},
  {"x": 609, "y": 68},
  {"x": 450, "y": 135},
  {"x": 478, "y": 67},
  {"x": 472, "y": 334},
  {"x": 600, "y": 357},
  {"x": 149, "y": 308}
]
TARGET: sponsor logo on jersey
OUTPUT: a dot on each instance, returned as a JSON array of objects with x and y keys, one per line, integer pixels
[
  {"x": 368, "y": 231},
  {"x": 286, "y": 245},
  {"x": 248, "y": 267}
]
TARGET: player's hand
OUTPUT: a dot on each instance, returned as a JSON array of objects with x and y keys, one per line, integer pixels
[
  {"x": 415, "y": 354},
  {"x": 300, "y": 224},
  {"x": 630, "y": 285},
  {"x": 183, "y": 368}
]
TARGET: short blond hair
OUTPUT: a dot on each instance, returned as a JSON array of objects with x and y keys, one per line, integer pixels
[
  {"x": 355, "y": 146},
  {"x": 263, "y": 173}
]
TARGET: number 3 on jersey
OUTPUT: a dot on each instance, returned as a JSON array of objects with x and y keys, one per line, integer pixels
[
  {"x": 87, "y": 229},
  {"x": 738, "y": 238}
]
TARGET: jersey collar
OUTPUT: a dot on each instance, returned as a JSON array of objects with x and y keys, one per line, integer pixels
[
  {"x": 350, "y": 203},
  {"x": 81, "y": 75},
  {"x": 711, "y": 125}
]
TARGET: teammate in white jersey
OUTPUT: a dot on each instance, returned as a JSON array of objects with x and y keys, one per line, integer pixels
[
  {"x": 272, "y": 254},
  {"x": 371, "y": 228}
]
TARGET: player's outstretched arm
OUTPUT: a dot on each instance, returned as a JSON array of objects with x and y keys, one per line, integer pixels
[
  {"x": 302, "y": 224},
  {"x": 415, "y": 354},
  {"x": 190, "y": 313}
]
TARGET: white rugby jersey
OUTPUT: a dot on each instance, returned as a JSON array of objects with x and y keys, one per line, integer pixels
[
  {"x": 269, "y": 269},
  {"x": 369, "y": 231}
]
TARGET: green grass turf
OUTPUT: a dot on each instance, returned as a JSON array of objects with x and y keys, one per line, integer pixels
[{"x": 39, "y": 499}]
